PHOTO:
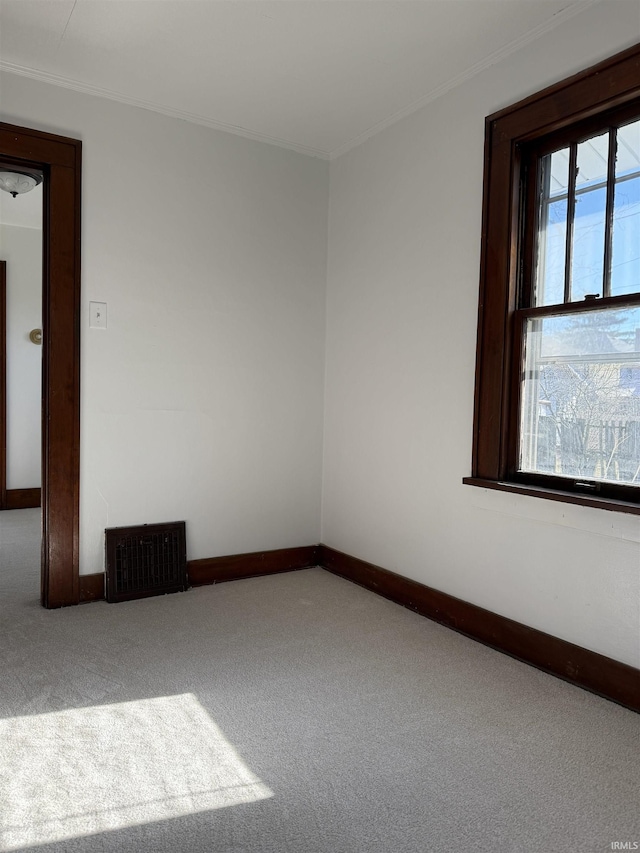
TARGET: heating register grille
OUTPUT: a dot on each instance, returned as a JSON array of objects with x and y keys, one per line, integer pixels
[{"x": 145, "y": 560}]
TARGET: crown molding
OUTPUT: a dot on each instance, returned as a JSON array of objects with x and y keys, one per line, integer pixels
[
  {"x": 565, "y": 14},
  {"x": 194, "y": 118}
]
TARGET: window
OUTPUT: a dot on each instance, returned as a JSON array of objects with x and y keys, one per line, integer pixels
[{"x": 557, "y": 409}]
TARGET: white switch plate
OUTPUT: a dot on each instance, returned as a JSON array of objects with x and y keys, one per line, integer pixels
[{"x": 97, "y": 315}]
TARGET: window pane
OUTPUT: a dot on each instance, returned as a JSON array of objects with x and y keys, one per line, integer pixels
[
  {"x": 628, "y": 153},
  {"x": 581, "y": 396},
  {"x": 593, "y": 161},
  {"x": 625, "y": 259},
  {"x": 587, "y": 265},
  {"x": 549, "y": 288}
]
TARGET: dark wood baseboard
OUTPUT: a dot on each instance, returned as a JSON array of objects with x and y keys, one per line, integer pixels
[
  {"x": 609, "y": 678},
  {"x": 590, "y": 670},
  {"x": 23, "y": 498},
  {"x": 218, "y": 569},
  {"x": 92, "y": 587},
  {"x": 237, "y": 566}
]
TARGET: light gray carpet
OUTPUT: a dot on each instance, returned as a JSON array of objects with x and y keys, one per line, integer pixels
[{"x": 295, "y": 713}]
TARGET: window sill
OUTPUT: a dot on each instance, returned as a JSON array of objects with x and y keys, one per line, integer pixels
[{"x": 555, "y": 495}]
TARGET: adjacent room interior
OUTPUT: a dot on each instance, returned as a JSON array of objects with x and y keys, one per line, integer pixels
[{"x": 276, "y": 343}]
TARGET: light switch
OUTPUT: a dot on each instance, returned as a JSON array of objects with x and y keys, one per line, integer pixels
[{"x": 97, "y": 315}]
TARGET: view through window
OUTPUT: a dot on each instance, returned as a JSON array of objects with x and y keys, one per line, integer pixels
[{"x": 580, "y": 395}]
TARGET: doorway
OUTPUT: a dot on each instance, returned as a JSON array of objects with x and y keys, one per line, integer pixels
[
  {"x": 59, "y": 159},
  {"x": 20, "y": 343}
]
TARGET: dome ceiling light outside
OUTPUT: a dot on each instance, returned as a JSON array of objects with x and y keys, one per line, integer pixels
[{"x": 18, "y": 182}]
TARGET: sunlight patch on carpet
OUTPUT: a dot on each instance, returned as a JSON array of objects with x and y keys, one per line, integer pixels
[{"x": 89, "y": 770}]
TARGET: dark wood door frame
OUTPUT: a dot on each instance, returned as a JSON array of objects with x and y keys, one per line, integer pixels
[{"x": 60, "y": 160}]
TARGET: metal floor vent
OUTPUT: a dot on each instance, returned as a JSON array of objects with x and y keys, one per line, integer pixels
[{"x": 147, "y": 560}]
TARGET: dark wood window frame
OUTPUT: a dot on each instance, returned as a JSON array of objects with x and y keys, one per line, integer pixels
[
  {"x": 59, "y": 158},
  {"x": 610, "y": 85}
]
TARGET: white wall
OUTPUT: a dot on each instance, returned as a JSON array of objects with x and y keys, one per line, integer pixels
[
  {"x": 202, "y": 400},
  {"x": 404, "y": 254},
  {"x": 21, "y": 248}
]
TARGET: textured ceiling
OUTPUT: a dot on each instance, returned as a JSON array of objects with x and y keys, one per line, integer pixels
[{"x": 318, "y": 76}]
